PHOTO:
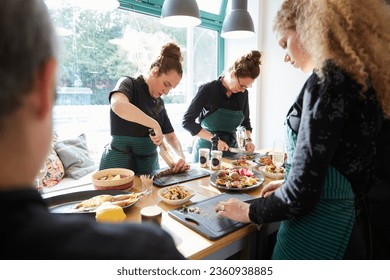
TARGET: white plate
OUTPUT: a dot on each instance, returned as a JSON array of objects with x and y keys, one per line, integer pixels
[
  {"x": 249, "y": 163},
  {"x": 271, "y": 175},
  {"x": 175, "y": 201}
]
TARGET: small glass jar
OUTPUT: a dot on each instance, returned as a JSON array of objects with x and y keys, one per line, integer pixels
[
  {"x": 204, "y": 157},
  {"x": 216, "y": 158}
]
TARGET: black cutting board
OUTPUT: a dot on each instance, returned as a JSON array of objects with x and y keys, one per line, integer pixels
[
  {"x": 207, "y": 222},
  {"x": 192, "y": 174}
]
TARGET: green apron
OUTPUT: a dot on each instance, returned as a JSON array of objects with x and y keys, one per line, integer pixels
[
  {"x": 223, "y": 123},
  {"x": 136, "y": 153},
  {"x": 324, "y": 232}
]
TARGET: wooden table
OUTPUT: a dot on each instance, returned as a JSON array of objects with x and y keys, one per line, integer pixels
[{"x": 191, "y": 244}]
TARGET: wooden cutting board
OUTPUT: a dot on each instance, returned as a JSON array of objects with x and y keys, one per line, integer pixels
[{"x": 207, "y": 222}]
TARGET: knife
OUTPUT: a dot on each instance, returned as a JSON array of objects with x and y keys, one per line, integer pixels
[
  {"x": 238, "y": 151},
  {"x": 163, "y": 151}
]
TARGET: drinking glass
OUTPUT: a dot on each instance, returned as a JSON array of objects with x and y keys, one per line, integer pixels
[
  {"x": 240, "y": 137},
  {"x": 147, "y": 184},
  {"x": 38, "y": 178},
  {"x": 278, "y": 153}
]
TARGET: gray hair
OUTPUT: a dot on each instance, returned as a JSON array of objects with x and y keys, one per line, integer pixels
[{"x": 27, "y": 40}]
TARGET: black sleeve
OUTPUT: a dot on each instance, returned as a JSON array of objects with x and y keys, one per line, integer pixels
[
  {"x": 383, "y": 153},
  {"x": 194, "y": 110},
  {"x": 166, "y": 126},
  {"x": 124, "y": 85},
  {"x": 246, "y": 122},
  {"x": 324, "y": 113},
  {"x": 125, "y": 241}
]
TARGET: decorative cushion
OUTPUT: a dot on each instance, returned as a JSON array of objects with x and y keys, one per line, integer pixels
[
  {"x": 75, "y": 157},
  {"x": 55, "y": 170}
]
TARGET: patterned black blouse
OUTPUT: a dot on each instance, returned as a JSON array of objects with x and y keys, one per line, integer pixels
[{"x": 336, "y": 126}]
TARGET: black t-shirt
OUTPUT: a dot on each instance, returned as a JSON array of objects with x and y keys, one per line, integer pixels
[
  {"x": 30, "y": 231},
  {"x": 210, "y": 97},
  {"x": 137, "y": 92}
]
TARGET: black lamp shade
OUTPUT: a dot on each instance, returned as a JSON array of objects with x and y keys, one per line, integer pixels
[
  {"x": 180, "y": 13},
  {"x": 238, "y": 22}
]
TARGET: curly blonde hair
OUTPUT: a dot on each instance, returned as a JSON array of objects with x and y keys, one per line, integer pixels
[{"x": 355, "y": 34}]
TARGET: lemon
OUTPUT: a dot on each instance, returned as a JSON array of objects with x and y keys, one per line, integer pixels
[{"x": 110, "y": 214}]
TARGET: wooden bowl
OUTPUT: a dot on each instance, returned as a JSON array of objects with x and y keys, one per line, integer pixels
[{"x": 113, "y": 179}]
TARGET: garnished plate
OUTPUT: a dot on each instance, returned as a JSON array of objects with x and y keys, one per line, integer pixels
[
  {"x": 236, "y": 179},
  {"x": 265, "y": 160},
  {"x": 243, "y": 162}
]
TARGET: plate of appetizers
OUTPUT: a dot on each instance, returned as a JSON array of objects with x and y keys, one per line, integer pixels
[
  {"x": 243, "y": 162},
  {"x": 236, "y": 179}
]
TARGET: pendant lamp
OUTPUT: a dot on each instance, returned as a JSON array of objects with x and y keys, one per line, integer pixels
[
  {"x": 238, "y": 23},
  {"x": 180, "y": 13}
]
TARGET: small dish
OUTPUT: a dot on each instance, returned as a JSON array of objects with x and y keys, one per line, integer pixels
[
  {"x": 272, "y": 175},
  {"x": 175, "y": 193}
]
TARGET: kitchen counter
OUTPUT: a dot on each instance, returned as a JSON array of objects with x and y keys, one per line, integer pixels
[{"x": 192, "y": 245}]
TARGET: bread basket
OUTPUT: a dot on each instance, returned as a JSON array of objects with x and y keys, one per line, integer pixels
[{"x": 113, "y": 179}]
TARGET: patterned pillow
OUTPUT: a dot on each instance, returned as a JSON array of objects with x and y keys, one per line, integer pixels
[
  {"x": 55, "y": 170},
  {"x": 75, "y": 157}
]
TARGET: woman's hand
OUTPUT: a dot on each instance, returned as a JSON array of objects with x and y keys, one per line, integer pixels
[
  {"x": 234, "y": 209},
  {"x": 158, "y": 137},
  {"x": 271, "y": 187},
  {"x": 222, "y": 146},
  {"x": 250, "y": 147},
  {"x": 181, "y": 165}
]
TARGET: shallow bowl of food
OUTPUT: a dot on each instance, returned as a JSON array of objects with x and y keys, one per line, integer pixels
[
  {"x": 113, "y": 179},
  {"x": 176, "y": 195},
  {"x": 271, "y": 172}
]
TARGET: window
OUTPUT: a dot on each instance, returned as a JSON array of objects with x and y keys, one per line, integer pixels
[
  {"x": 213, "y": 7},
  {"x": 98, "y": 47}
]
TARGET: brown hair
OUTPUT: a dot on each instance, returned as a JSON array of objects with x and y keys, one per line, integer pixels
[
  {"x": 170, "y": 58},
  {"x": 247, "y": 65},
  {"x": 354, "y": 34}
]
